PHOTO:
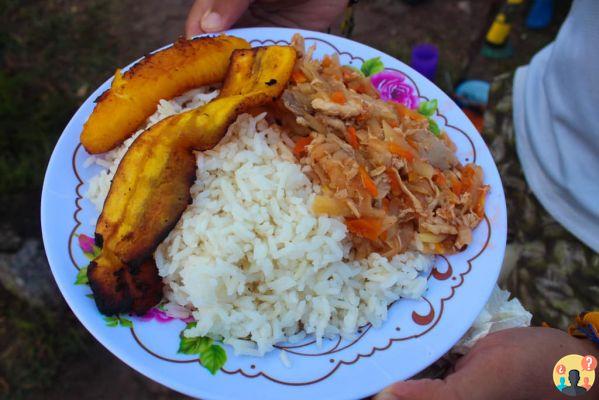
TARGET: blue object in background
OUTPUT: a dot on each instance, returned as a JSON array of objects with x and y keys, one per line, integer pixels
[
  {"x": 425, "y": 58},
  {"x": 473, "y": 93},
  {"x": 540, "y": 14}
]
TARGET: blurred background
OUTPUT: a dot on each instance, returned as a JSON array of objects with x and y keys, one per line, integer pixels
[{"x": 54, "y": 53}]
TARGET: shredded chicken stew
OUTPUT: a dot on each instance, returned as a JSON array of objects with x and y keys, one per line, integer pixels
[{"x": 397, "y": 185}]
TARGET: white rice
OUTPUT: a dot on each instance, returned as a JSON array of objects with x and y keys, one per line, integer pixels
[{"x": 249, "y": 260}]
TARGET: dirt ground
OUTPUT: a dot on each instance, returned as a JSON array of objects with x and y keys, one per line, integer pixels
[{"x": 54, "y": 53}]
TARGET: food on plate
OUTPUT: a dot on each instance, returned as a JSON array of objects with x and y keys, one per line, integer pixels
[
  {"x": 303, "y": 213},
  {"x": 150, "y": 188},
  {"x": 167, "y": 73},
  {"x": 251, "y": 262},
  {"x": 149, "y": 192},
  {"x": 398, "y": 185},
  {"x": 119, "y": 287}
]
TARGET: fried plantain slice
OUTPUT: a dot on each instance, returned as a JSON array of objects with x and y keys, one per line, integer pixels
[
  {"x": 105, "y": 275},
  {"x": 148, "y": 194},
  {"x": 133, "y": 96},
  {"x": 150, "y": 189},
  {"x": 250, "y": 69},
  {"x": 239, "y": 74},
  {"x": 119, "y": 287},
  {"x": 144, "y": 285}
]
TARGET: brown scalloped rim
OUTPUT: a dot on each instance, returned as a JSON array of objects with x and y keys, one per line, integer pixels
[
  {"x": 422, "y": 320},
  {"x": 77, "y": 206}
]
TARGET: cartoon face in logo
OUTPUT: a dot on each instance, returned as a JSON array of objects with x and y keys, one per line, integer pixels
[{"x": 574, "y": 374}]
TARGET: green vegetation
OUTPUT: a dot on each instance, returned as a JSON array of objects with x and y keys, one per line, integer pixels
[{"x": 51, "y": 55}]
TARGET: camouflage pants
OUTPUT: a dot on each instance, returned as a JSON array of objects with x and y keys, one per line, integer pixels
[{"x": 554, "y": 275}]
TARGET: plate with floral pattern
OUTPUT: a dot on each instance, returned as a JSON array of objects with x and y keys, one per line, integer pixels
[{"x": 415, "y": 334}]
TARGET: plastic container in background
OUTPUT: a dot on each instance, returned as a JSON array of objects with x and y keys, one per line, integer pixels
[
  {"x": 499, "y": 32},
  {"x": 540, "y": 14},
  {"x": 473, "y": 93},
  {"x": 472, "y": 97},
  {"x": 425, "y": 58}
]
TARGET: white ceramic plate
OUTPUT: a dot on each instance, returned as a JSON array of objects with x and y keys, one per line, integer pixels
[{"x": 415, "y": 335}]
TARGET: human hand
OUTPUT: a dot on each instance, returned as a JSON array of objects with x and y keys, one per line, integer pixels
[
  {"x": 208, "y": 16},
  {"x": 513, "y": 364}
]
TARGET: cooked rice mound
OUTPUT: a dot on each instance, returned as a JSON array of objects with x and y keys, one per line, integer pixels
[{"x": 251, "y": 262}]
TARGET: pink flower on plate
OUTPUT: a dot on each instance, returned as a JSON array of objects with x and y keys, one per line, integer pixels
[
  {"x": 86, "y": 243},
  {"x": 162, "y": 316},
  {"x": 393, "y": 85},
  {"x": 157, "y": 314}
]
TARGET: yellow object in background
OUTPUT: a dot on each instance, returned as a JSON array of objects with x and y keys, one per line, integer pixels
[
  {"x": 502, "y": 25},
  {"x": 586, "y": 324},
  {"x": 499, "y": 31}
]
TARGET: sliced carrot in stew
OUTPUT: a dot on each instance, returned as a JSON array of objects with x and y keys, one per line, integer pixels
[
  {"x": 300, "y": 145},
  {"x": 369, "y": 228},
  {"x": 467, "y": 175},
  {"x": 362, "y": 89},
  {"x": 352, "y": 138},
  {"x": 412, "y": 142},
  {"x": 386, "y": 203},
  {"x": 401, "y": 151},
  {"x": 384, "y": 235},
  {"x": 338, "y": 97},
  {"x": 439, "y": 179},
  {"x": 298, "y": 76},
  {"x": 456, "y": 185},
  {"x": 368, "y": 183},
  {"x": 393, "y": 181},
  {"x": 406, "y": 112}
]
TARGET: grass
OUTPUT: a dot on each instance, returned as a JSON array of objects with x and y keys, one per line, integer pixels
[{"x": 51, "y": 53}]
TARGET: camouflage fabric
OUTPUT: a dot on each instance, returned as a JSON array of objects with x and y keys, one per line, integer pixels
[{"x": 554, "y": 275}]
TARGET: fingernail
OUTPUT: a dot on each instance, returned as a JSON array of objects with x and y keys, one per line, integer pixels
[
  {"x": 212, "y": 22},
  {"x": 385, "y": 395}
]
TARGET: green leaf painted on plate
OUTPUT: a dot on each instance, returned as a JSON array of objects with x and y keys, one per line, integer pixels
[
  {"x": 428, "y": 108},
  {"x": 115, "y": 321},
  {"x": 213, "y": 358},
  {"x": 126, "y": 323},
  {"x": 90, "y": 296},
  {"x": 195, "y": 345},
  {"x": 111, "y": 321},
  {"x": 82, "y": 277},
  {"x": 434, "y": 127},
  {"x": 372, "y": 66}
]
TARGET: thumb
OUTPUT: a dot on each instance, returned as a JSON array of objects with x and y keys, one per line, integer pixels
[
  {"x": 208, "y": 16},
  {"x": 421, "y": 389}
]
